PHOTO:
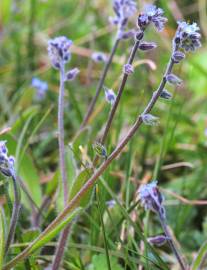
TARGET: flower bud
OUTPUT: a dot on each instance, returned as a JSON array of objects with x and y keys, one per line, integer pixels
[
  {"x": 99, "y": 57},
  {"x": 146, "y": 46},
  {"x": 150, "y": 120},
  {"x": 109, "y": 95},
  {"x": 158, "y": 240},
  {"x": 126, "y": 35},
  {"x": 100, "y": 150},
  {"x": 165, "y": 94},
  {"x": 139, "y": 35},
  {"x": 178, "y": 56},
  {"x": 128, "y": 69},
  {"x": 173, "y": 79},
  {"x": 71, "y": 74}
]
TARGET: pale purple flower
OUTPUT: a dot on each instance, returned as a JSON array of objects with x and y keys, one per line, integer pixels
[
  {"x": 40, "y": 86},
  {"x": 188, "y": 36},
  {"x": 152, "y": 199},
  {"x": 111, "y": 203},
  {"x": 58, "y": 51},
  {"x": 154, "y": 15}
]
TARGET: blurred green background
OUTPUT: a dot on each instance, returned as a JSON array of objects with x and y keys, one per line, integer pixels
[{"x": 173, "y": 152}]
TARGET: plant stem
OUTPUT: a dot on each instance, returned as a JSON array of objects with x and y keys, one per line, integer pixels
[
  {"x": 61, "y": 132},
  {"x": 103, "y": 229},
  {"x": 15, "y": 214},
  {"x": 120, "y": 91},
  {"x": 59, "y": 253},
  {"x": 171, "y": 243},
  {"x": 90, "y": 183},
  {"x": 100, "y": 84}
]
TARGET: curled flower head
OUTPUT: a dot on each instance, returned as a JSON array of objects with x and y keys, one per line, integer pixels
[
  {"x": 40, "y": 86},
  {"x": 152, "y": 199},
  {"x": 187, "y": 36},
  {"x": 123, "y": 10},
  {"x": 154, "y": 15},
  {"x": 58, "y": 51},
  {"x": 6, "y": 162}
]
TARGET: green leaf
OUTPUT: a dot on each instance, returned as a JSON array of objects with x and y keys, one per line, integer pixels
[
  {"x": 51, "y": 234},
  {"x": 200, "y": 256},
  {"x": 2, "y": 237},
  {"x": 77, "y": 185},
  {"x": 99, "y": 263}
]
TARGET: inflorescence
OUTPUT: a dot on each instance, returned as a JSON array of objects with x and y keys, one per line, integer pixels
[
  {"x": 58, "y": 50},
  {"x": 6, "y": 162}
]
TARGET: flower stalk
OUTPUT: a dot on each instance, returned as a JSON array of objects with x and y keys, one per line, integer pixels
[{"x": 15, "y": 214}]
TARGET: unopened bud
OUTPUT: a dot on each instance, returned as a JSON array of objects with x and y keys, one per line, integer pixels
[
  {"x": 165, "y": 94},
  {"x": 128, "y": 69},
  {"x": 99, "y": 57},
  {"x": 71, "y": 74},
  {"x": 158, "y": 240},
  {"x": 173, "y": 79},
  {"x": 110, "y": 95},
  {"x": 126, "y": 35},
  {"x": 146, "y": 46},
  {"x": 178, "y": 56},
  {"x": 100, "y": 150},
  {"x": 139, "y": 35},
  {"x": 150, "y": 120}
]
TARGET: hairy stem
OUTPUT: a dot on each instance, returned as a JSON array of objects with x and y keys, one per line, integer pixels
[
  {"x": 59, "y": 253},
  {"x": 90, "y": 183},
  {"x": 120, "y": 91},
  {"x": 61, "y": 132},
  {"x": 100, "y": 84},
  {"x": 15, "y": 214},
  {"x": 171, "y": 244}
]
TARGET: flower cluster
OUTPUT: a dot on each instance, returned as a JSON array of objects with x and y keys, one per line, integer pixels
[
  {"x": 40, "y": 86},
  {"x": 187, "y": 36},
  {"x": 123, "y": 10},
  {"x": 99, "y": 57},
  {"x": 58, "y": 50},
  {"x": 6, "y": 162},
  {"x": 152, "y": 199},
  {"x": 153, "y": 15}
]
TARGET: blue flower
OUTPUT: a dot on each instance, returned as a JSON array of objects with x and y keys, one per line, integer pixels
[
  {"x": 58, "y": 51},
  {"x": 40, "y": 86},
  {"x": 187, "y": 36},
  {"x": 153, "y": 15}
]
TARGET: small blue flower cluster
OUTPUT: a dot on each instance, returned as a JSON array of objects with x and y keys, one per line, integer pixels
[
  {"x": 188, "y": 36},
  {"x": 154, "y": 15},
  {"x": 40, "y": 86},
  {"x": 6, "y": 162},
  {"x": 152, "y": 199},
  {"x": 58, "y": 50}
]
